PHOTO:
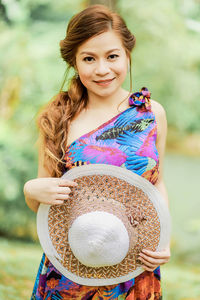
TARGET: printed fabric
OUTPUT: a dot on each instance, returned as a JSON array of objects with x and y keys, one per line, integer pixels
[{"x": 128, "y": 140}]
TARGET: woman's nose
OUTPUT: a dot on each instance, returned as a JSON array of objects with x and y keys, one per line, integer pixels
[{"x": 102, "y": 68}]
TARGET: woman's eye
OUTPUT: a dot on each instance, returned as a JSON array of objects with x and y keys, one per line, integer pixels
[
  {"x": 88, "y": 58},
  {"x": 113, "y": 56}
]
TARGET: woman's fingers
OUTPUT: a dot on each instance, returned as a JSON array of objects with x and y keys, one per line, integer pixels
[
  {"x": 62, "y": 197},
  {"x": 148, "y": 266},
  {"x": 164, "y": 254},
  {"x": 50, "y": 190},
  {"x": 57, "y": 202},
  {"x": 148, "y": 269},
  {"x": 63, "y": 190},
  {"x": 155, "y": 256},
  {"x": 65, "y": 182},
  {"x": 151, "y": 260},
  {"x": 153, "y": 266}
]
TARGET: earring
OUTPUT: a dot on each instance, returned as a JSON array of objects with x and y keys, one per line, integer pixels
[
  {"x": 76, "y": 74},
  {"x": 128, "y": 67}
]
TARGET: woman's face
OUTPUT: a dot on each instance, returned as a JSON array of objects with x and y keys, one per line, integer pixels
[{"x": 102, "y": 64}]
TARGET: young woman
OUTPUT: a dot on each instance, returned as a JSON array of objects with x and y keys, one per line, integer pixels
[{"x": 98, "y": 47}]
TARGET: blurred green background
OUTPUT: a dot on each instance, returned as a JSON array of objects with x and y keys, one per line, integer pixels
[{"x": 166, "y": 60}]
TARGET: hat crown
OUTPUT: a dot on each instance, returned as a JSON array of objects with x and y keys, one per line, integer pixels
[
  {"x": 94, "y": 246},
  {"x": 98, "y": 239}
]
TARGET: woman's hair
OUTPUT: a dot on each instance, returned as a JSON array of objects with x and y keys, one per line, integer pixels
[{"x": 54, "y": 120}]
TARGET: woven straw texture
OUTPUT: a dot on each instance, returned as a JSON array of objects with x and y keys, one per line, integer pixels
[{"x": 114, "y": 195}]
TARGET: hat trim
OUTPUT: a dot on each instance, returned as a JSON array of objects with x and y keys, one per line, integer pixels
[{"x": 127, "y": 175}]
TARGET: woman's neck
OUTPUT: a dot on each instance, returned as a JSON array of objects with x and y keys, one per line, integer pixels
[{"x": 111, "y": 102}]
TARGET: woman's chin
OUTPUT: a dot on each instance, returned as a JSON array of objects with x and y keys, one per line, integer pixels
[{"x": 105, "y": 92}]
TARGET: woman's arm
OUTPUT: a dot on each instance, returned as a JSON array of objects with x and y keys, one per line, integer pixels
[
  {"x": 160, "y": 145},
  {"x": 46, "y": 189},
  {"x": 151, "y": 260},
  {"x": 32, "y": 203}
]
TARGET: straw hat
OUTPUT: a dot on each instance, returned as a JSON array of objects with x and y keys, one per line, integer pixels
[{"x": 95, "y": 237}]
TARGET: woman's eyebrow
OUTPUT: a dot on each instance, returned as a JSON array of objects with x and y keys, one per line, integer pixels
[{"x": 92, "y": 53}]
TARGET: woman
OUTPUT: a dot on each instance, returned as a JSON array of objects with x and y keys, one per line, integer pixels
[{"x": 98, "y": 46}]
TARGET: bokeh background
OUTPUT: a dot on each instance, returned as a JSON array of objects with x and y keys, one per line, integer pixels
[{"x": 166, "y": 60}]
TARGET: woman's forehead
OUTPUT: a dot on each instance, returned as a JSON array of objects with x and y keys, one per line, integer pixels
[{"x": 107, "y": 41}]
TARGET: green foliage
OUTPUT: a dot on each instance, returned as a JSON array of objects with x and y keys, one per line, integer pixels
[
  {"x": 32, "y": 72},
  {"x": 26, "y": 11},
  {"x": 166, "y": 60},
  {"x": 17, "y": 164},
  {"x": 167, "y": 57},
  {"x": 19, "y": 263}
]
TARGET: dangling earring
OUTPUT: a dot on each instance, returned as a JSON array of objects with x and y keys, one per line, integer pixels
[
  {"x": 76, "y": 74},
  {"x": 128, "y": 68}
]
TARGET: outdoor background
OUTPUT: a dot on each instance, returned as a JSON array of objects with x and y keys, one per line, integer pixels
[{"x": 166, "y": 60}]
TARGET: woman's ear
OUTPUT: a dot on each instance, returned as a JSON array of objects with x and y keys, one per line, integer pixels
[{"x": 76, "y": 71}]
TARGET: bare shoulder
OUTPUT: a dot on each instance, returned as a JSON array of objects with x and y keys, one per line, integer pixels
[
  {"x": 160, "y": 116},
  {"x": 158, "y": 109}
]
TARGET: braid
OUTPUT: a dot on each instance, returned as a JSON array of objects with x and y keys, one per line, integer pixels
[{"x": 54, "y": 121}]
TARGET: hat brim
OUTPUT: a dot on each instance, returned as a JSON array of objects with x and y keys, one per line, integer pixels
[{"x": 123, "y": 174}]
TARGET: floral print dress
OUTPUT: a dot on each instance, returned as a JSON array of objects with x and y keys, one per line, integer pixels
[{"x": 129, "y": 141}]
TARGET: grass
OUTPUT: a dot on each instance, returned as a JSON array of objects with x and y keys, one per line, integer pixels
[
  {"x": 180, "y": 281},
  {"x": 19, "y": 263},
  {"x": 20, "y": 260}
]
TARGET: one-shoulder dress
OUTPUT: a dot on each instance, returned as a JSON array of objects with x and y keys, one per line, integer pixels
[{"x": 128, "y": 140}]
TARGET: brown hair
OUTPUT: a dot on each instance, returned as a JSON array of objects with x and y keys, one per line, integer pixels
[{"x": 54, "y": 120}]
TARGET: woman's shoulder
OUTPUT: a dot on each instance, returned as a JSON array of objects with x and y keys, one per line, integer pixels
[
  {"x": 160, "y": 116},
  {"x": 158, "y": 109}
]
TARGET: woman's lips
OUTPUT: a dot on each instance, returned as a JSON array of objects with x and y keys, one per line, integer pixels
[{"x": 104, "y": 82}]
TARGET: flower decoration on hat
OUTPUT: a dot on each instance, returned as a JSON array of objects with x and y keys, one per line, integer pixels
[{"x": 141, "y": 99}]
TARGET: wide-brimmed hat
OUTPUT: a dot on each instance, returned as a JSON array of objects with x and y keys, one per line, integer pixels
[{"x": 95, "y": 237}]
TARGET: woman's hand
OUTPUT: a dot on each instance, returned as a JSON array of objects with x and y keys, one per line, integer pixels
[
  {"x": 50, "y": 190},
  {"x": 151, "y": 260}
]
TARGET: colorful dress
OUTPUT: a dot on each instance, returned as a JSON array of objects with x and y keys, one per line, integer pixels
[{"x": 128, "y": 141}]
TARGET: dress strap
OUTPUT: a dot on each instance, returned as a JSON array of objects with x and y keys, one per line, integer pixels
[{"x": 141, "y": 98}]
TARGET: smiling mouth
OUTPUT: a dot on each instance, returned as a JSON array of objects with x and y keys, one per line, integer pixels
[{"x": 104, "y": 82}]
